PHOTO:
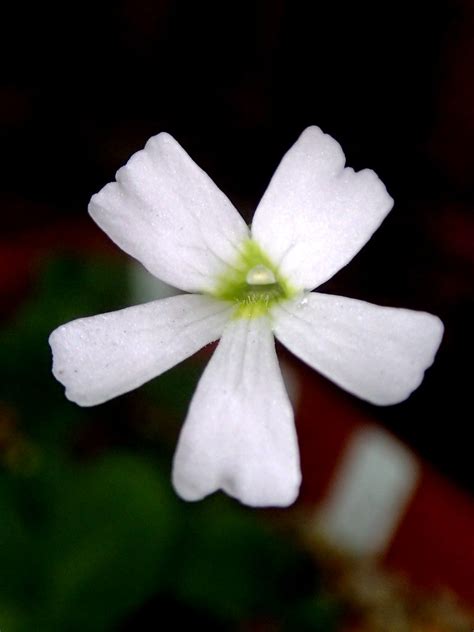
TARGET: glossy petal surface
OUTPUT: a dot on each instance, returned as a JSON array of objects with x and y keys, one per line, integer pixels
[
  {"x": 100, "y": 357},
  {"x": 239, "y": 435},
  {"x": 167, "y": 213},
  {"x": 378, "y": 353},
  {"x": 316, "y": 214}
]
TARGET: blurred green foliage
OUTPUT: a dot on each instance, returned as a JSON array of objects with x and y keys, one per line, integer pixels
[{"x": 92, "y": 536}]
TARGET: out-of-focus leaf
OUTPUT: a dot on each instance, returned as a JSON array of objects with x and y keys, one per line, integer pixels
[
  {"x": 14, "y": 619},
  {"x": 16, "y": 551},
  {"x": 84, "y": 545},
  {"x": 232, "y": 564},
  {"x": 173, "y": 390},
  {"x": 110, "y": 541},
  {"x": 67, "y": 289},
  {"x": 315, "y": 614}
]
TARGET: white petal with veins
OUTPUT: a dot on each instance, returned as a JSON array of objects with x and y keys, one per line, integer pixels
[
  {"x": 378, "y": 353},
  {"x": 100, "y": 357},
  {"x": 316, "y": 215},
  {"x": 239, "y": 435},
  {"x": 167, "y": 213}
]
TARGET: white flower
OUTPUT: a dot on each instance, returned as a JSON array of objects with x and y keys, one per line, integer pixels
[{"x": 245, "y": 286}]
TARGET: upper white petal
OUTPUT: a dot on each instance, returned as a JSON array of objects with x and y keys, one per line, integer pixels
[
  {"x": 377, "y": 353},
  {"x": 239, "y": 435},
  {"x": 316, "y": 215},
  {"x": 167, "y": 213},
  {"x": 100, "y": 357}
]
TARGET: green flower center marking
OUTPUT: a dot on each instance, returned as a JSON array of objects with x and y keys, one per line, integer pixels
[{"x": 253, "y": 283}]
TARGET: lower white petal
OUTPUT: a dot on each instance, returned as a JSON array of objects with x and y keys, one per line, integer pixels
[
  {"x": 100, "y": 357},
  {"x": 239, "y": 435},
  {"x": 378, "y": 353}
]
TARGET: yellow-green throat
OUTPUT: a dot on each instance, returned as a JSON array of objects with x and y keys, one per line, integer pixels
[{"x": 253, "y": 283}]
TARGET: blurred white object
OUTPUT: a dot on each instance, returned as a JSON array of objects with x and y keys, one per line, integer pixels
[
  {"x": 369, "y": 493},
  {"x": 144, "y": 287}
]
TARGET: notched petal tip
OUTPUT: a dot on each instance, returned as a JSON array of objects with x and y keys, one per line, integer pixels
[
  {"x": 264, "y": 491},
  {"x": 239, "y": 435},
  {"x": 188, "y": 492},
  {"x": 315, "y": 214},
  {"x": 379, "y": 354},
  {"x": 269, "y": 495},
  {"x": 167, "y": 213},
  {"x": 56, "y": 341},
  {"x": 429, "y": 345},
  {"x": 62, "y": 368},
  {"x": 101, "y": 357},
  {"x": 250, "y": 495},
  {"x": 314, "y": 131},
  {"x": 163, "y": 138},
  {"x": 327, "y": 146},
  {"x": 437, "y": 331}
]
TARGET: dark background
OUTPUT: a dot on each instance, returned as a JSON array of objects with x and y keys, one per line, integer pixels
[
  {"x": 92, "y": 536},
  {"x": 235, "y": 82}
]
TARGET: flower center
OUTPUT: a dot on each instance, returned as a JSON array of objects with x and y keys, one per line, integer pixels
[
  {"x": 253, "y": 283},
  {"x": 260, "y": 275}
]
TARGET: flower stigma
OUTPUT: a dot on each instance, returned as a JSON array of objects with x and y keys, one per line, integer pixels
[{"x": 253, "y": 283}]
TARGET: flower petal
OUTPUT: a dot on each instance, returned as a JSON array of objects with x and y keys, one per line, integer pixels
[
  {"x": 100, "y": 357},
  {"x": 239, "y": 435},
  {"x": 377, "y": 353},
  {"x": 316, "y": 215},
  {"x": 167, "y": 213}
]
